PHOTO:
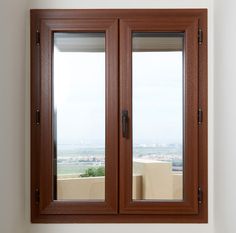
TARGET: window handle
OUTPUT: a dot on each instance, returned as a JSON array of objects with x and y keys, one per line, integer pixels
[{"x": 125, "y": 124}]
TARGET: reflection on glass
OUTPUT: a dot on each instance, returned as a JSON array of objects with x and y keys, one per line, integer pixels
[
  {"x": 79, "y": 116},
  {"x": 157, "y": 61}
]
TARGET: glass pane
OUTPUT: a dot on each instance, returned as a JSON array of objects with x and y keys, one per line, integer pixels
[
  {"x": 157, "y": 61},
  {"x": 79, "y": 116}
]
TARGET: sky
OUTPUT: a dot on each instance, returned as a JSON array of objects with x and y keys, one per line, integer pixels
[{"x": 79, "y": 92}]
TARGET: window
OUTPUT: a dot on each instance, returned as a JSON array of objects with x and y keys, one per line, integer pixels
[{"x": 119, "y": 116}]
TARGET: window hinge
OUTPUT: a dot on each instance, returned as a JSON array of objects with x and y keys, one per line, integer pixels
[
  {"x": 200, "y": 36},
  {"x": 37, "y": 38},
  {"x": 37, "y": 117},
  {"x": 199, "y": 195},
  {"x": 200, "y": 116},
  {"x": 37, "y": 196}
]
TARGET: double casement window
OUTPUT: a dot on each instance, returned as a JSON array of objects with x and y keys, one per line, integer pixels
[{"x": 119, "y": 115}]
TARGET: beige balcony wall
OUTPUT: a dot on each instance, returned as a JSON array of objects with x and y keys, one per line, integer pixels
[
  {"x": 81, "y": 188},
  {"x": 157, "y": 179},
  {"x": 177, "y": 185},
  {"x": 151, "y": 180},
  {"x": 90, "y": 188}
]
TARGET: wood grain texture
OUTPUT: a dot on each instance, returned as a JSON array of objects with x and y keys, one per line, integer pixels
[
  {"x": 118, "y": 206},
  {"x": 188, "y": 25},
  {"x": 44, "y": 148}
]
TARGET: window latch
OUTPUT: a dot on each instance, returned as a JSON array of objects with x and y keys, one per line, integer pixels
[{"x": 125, "y": 123}]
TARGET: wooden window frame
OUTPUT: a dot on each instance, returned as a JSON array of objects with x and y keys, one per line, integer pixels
[{"x": 118, "y": 205}]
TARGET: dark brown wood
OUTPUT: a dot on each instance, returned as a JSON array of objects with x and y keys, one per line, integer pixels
[
  {"x": 44, "y": 148},
  {"x": 203, "y": 132},
  {"x": 119, "y": 218},
  {"x": 114, "y": 13},
  {"x": 47, "y": 205},
  {"x": 188, "y": 25},
  {"x": 187, "y": 20},
  {"x": 35, "y": 105}
]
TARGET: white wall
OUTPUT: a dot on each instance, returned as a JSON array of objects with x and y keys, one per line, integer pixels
[
  {"x": 12, "y": 107},
  {"x": 225, "y": 116},
  {"x": 115, "y": 228}
]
